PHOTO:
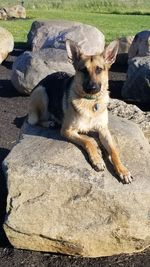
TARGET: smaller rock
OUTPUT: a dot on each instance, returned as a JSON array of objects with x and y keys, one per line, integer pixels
[
  {"x": 31, "y": 67},
  {"x": 137, "y": 85},
  {"x": 6, "y": 43},
  {"x": 124, "y": 45},
  {"x": 3, "y": 14},
  {"x": 17, "y": 11},
  {"x": 141, "y": 45},
  {"x": 133, "y": 113}
]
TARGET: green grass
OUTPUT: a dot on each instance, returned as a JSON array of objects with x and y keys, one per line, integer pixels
[
  {"x": 111, "y": 25},
  {"x": 100, "y": 6}
]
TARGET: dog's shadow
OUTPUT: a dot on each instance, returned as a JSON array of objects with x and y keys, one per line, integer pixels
[{"x": 53, "y": 132}]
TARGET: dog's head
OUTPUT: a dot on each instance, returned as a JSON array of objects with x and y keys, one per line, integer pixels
[{"x": 91, "y": 71}]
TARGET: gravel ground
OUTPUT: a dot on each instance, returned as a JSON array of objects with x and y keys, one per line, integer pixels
[{"x": 13, "y": 109}]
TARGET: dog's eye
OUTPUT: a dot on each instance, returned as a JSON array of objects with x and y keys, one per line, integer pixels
[{"x": 98, "y": 70}]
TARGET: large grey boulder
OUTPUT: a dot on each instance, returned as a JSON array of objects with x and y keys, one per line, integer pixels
[
  {"x": 6, "y": 43},
  {"x": 54, "y": 34},
  {"x": 31, "y": 67},
  {"x": 131, "y": 112},
  {"x": 137, "y": 85},
  {"x": 140, "y": 46},
  {"x": 41, "y": 28},
  {"x": 58, "y": 203}
]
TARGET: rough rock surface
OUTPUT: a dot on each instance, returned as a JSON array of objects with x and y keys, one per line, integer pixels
[
  {"x": 17, "y": 11},
  {"x": 137, "y": 85},
  {"x": 141, "y": 45},
  {"x": 57, "y": 202},
  {"x": 6, "y": 43},
  {"x": 40, "y": 29},
  {"x": 89, "y": 38},
  {"x": 31, "y": 67},
  {"x": 131, "y": 112},
  {"x": 124, "y": 45}
]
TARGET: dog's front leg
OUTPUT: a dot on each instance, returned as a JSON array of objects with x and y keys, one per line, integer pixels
[
  {"x": 88, "y": 144},
  {"x": 107, "y": 142}
]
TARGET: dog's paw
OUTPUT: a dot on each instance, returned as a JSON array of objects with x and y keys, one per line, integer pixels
[
  {"x": 125, "y": 175},
  {"x": 98, "y": 165}
]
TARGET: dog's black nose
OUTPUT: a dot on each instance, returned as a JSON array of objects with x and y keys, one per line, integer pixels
[{"x": 93, "y": 87}]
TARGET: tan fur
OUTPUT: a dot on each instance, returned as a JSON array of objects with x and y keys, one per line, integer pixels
[
  {"x": 80, "y": 116},
  {"x": 38, "y": 107}
]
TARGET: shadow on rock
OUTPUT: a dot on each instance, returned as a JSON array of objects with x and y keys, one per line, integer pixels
[
  {"x": 3, "y": 198},
  {"x": 7, "y": 64},
  {"x": 115, "y": 89},
  {"x": 21, "y": 45},
  {"x": 119, "y": 68},
  {"x": 18, "y": 121}
]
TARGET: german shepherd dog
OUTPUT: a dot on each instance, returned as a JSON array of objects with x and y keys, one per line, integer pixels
[{"x": 79, "y": 104}]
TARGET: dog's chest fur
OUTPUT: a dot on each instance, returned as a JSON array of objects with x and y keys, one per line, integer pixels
[{"x": 89, "y": 115}]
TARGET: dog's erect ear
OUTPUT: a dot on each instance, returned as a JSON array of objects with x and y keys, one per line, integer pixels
[
  {"x": 73, "y": 52},
  {"x": 110, "y": 52}
]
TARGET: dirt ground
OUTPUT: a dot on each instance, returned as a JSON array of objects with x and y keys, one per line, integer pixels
[{"x": 13, "y": 109}]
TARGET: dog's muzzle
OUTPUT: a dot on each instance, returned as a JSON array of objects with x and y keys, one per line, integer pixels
[{"x": 92, "y": 88}]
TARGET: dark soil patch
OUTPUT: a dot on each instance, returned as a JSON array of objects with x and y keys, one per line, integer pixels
[{"x": 13, "y": 109}]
